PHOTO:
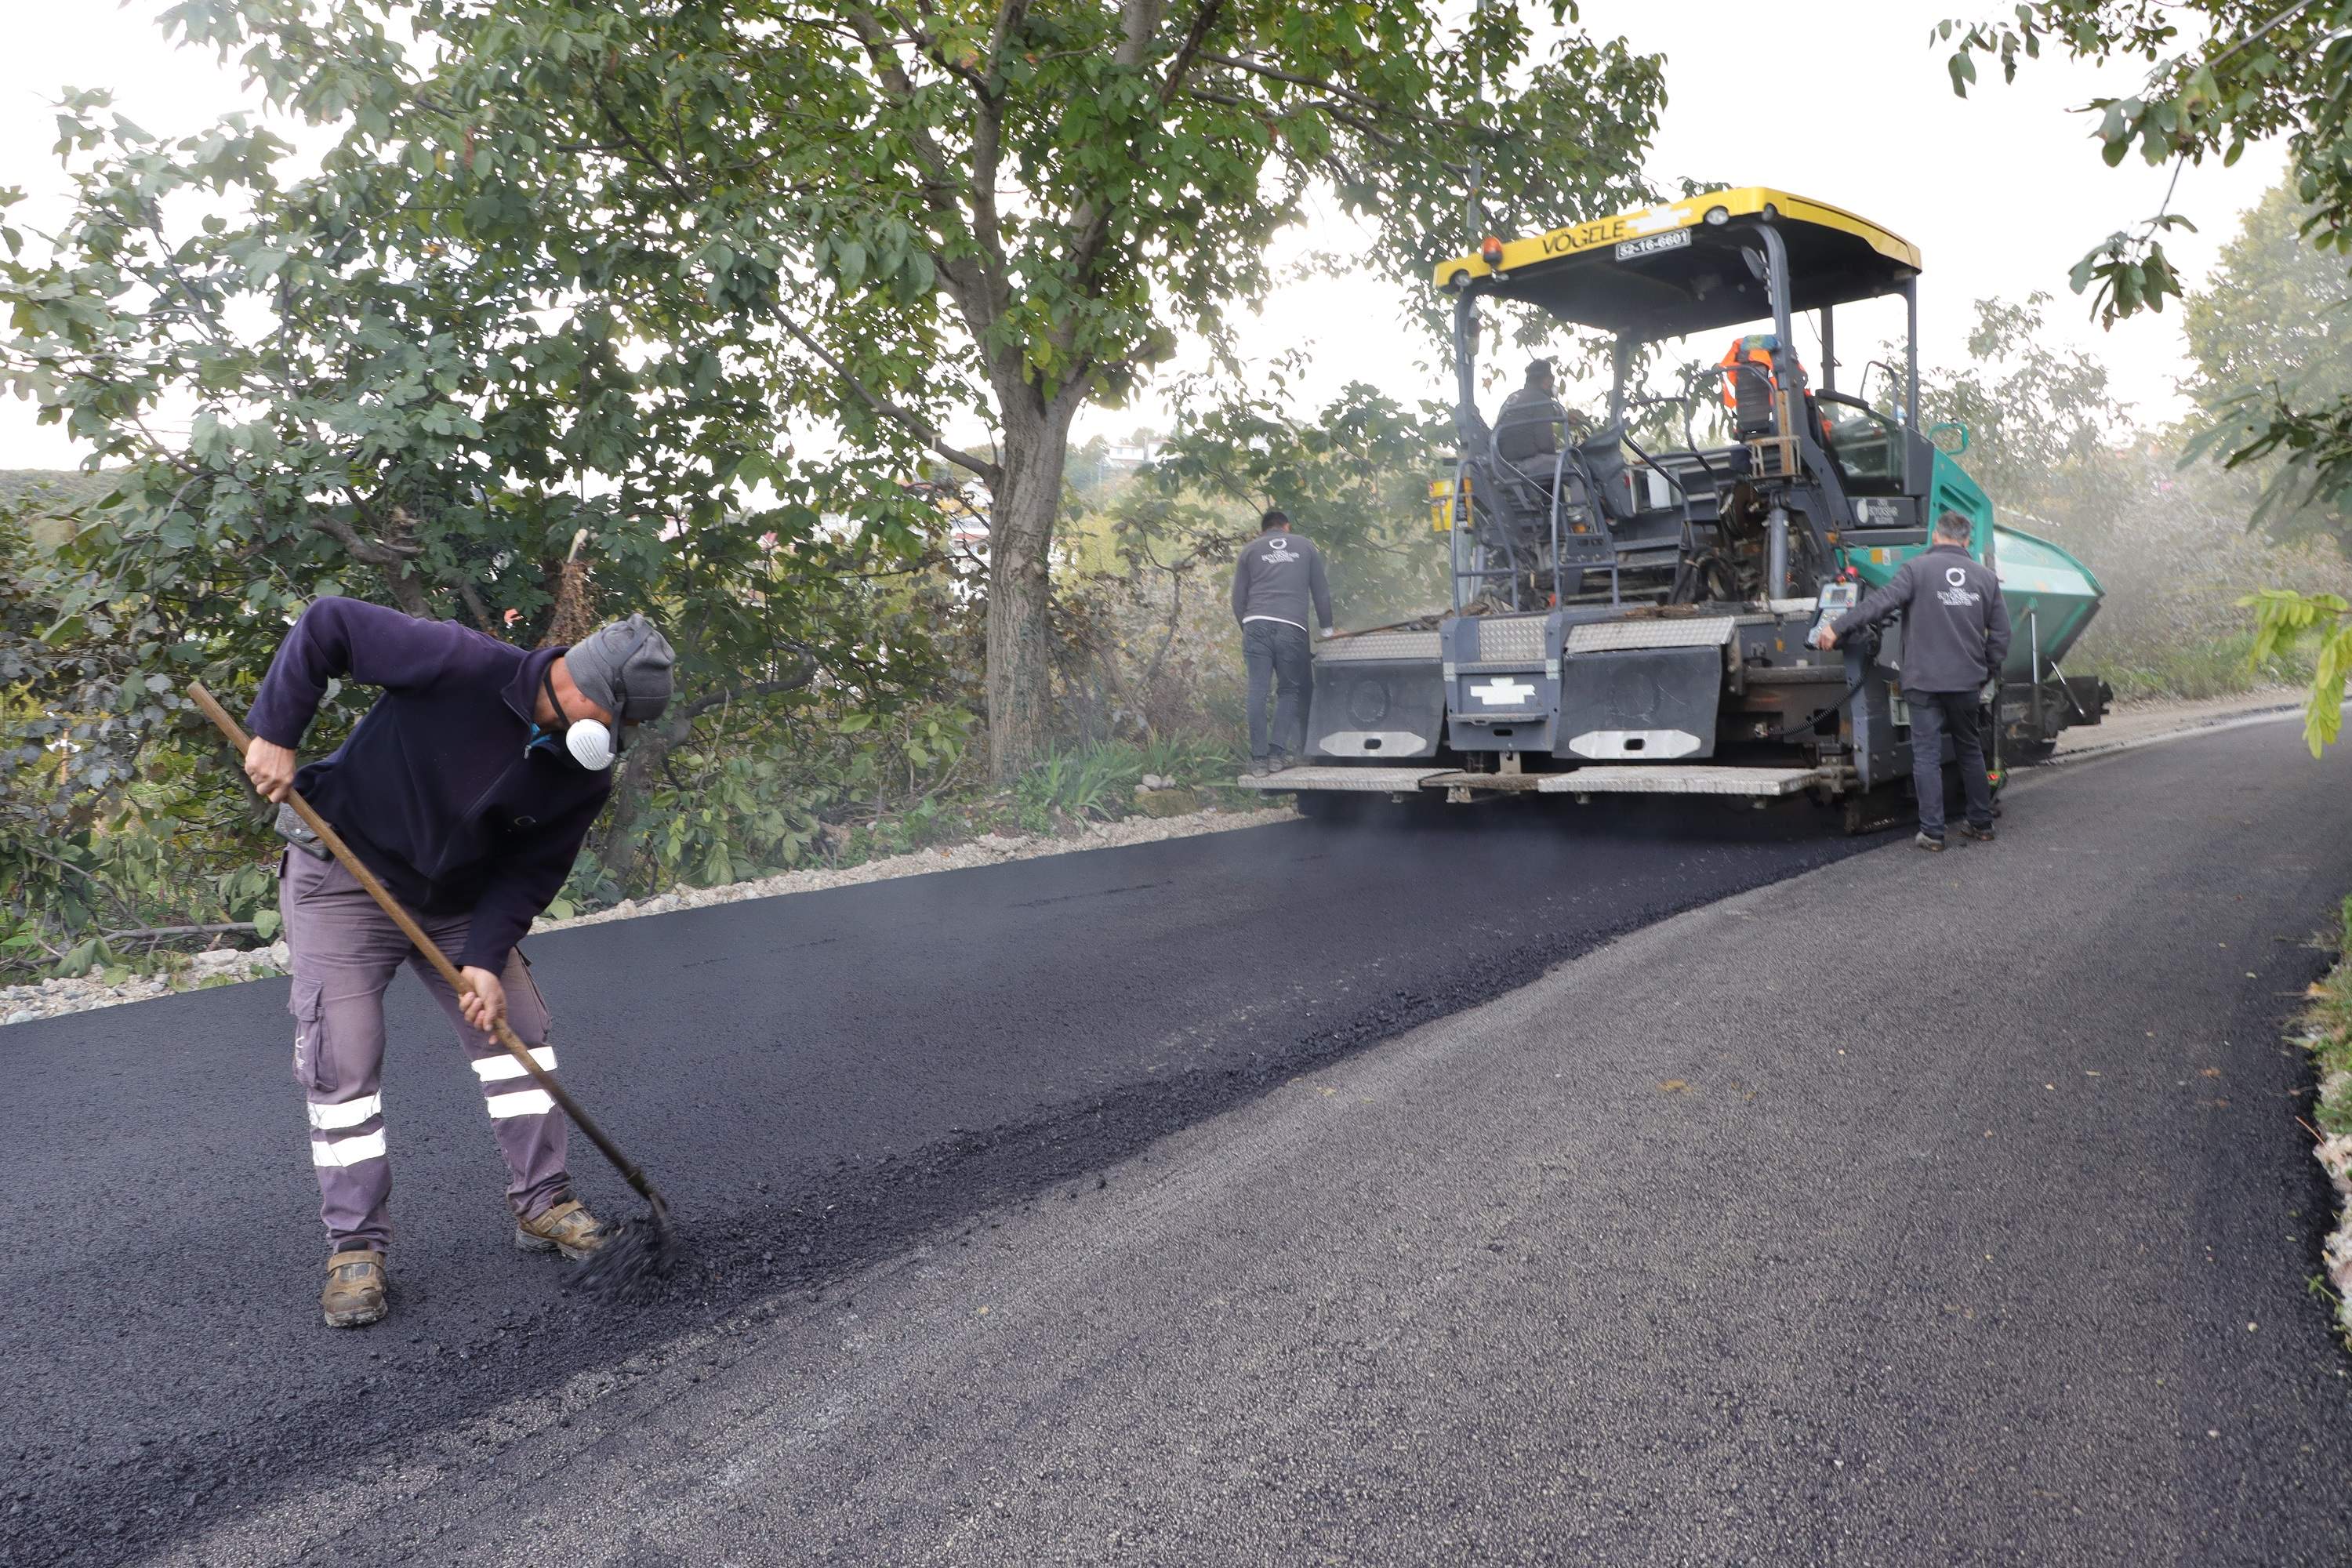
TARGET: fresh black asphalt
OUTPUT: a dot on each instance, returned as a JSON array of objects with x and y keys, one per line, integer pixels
[
  {"x": 815, "y": 1081},
  {"x": 1914, "y": 1213}
]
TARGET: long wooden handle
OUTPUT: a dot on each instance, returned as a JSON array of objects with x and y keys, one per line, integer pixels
[
  {"x": 366, "y": 878},
  {"x": 229, "y": 727}
]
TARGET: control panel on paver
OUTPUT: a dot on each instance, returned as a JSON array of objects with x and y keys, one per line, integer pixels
[{"x": 1837, "y": 598}]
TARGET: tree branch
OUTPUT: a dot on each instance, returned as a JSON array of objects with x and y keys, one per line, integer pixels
[
  {"x": 1189, "y": 50},
  {"x": 1139, "y": 19},
  {"x": 697, "y": 709},
  {"x": 893, "y": 410},
  {"x": 1091, "y": 225},
  {"x": 1259, "y": 68},
  {"x": 473, "y": 607},
  {"x": 652, "y": 160},
  {"x": 930, "y": 44},
  {"x": 157, "y": 933},
  {"x": 987, "y": 153},
  {"x": 981, "y": 290},
  {"x": 1355, "y": 122},
  {"x": 366, "y": 552}
]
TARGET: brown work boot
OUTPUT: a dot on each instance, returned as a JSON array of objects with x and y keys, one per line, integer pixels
[
  {"x": 355, "y": 1295},
  {"x": 568, "y": 1228}
]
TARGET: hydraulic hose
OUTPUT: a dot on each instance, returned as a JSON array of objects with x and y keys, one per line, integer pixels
[
  {"x": 1791, "y": 732},
  {"x": 1868, "y": 649}
]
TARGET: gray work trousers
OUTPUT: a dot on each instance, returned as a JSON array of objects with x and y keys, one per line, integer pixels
[
  {"x": 345, "y": 952},
  {"x": 1277, "y": 654},
  {"x": 1934, "y": 715}
]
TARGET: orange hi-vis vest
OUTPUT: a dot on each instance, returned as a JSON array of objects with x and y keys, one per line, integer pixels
[{"x": 1753, "y": 348}]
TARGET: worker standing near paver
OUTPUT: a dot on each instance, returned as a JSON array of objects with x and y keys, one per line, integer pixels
[
  {"x": 1278, "y": 578},
  {"x": 467, "y": 789},
  {"x": 1955, "y": 636}
]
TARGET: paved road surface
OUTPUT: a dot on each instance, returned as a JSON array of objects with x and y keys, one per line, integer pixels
[
  {"x": 1910, "y": 1212},
  {"x": 815, "y": 1081}
]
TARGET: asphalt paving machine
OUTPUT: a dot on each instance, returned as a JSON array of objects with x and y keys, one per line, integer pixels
[{"x": 1630, "y": 616}]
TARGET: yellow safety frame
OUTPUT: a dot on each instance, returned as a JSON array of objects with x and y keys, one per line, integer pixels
[{"x": 1748, "y": 201}]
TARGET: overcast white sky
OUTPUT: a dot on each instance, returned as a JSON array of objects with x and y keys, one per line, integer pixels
[{"x": 1841, "y": 99}]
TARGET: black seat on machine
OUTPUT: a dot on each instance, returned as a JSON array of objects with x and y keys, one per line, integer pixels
[
  {"x": 1751, "y": 403},
  {"x": 1521, "y": 490},
  {"x": 1527, "y": 432},
  {"x": 1601, "y": 460},
  {"x": 1499, "y": 485}
]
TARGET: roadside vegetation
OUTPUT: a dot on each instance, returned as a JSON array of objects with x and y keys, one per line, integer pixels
[
  {"x": 2272, "y": 377},
  {"x": 748, "y": 296},
  {"x": 127, "y": 839},
  {"x": 2327, "y": 1033},
  {"x": 2186, "y": 544},
  {"x": 113, "y": 870},
  {"x": 2268, "y": 334}
]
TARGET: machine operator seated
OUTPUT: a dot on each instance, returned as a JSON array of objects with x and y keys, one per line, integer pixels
[{"x": 1527, "y": 427}]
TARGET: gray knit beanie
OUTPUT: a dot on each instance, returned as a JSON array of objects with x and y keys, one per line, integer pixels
[{"x": 624, "y": 667}]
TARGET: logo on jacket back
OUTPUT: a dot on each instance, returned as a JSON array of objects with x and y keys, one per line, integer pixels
[
  {"x": 1278, "y": 549},
  {"x": 1958, "y": 592}
]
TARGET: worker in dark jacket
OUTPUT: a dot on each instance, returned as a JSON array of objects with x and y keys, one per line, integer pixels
[
  {"x": 467, "y": 789},
  {"x": 1275, "y": 582},
  {"x": 1955, "y": 638},
  {"x": 1527, "y": 426}
]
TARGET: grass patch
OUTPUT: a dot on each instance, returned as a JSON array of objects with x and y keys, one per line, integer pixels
[
  {"x": 1097, "y": 784},
  {"x": 2197, "y": 671}
]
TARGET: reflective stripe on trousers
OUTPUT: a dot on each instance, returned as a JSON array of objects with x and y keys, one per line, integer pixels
[{"x": 346, "y": 950}]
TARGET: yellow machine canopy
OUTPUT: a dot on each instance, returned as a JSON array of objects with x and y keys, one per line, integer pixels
[{"x": 1684, "y": 267}]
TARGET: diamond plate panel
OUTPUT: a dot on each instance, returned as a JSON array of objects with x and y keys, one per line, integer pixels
[
  {"x": 1370, "y": 781},
  {"x": 1609, "y": 637},
  {"x": 1682, "y": 779},
  {"x": 1520, "y": 640},
  {"x": 1380, "y": 645}
]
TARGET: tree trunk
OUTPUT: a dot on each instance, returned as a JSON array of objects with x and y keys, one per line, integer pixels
[
  {"x": 406, "y": 591},
  {"x": 1020, "y": 589},
  {"x": 641, "y": 764}
]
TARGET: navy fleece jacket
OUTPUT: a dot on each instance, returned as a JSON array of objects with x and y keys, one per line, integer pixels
[{"x": 433, "y": 789}]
